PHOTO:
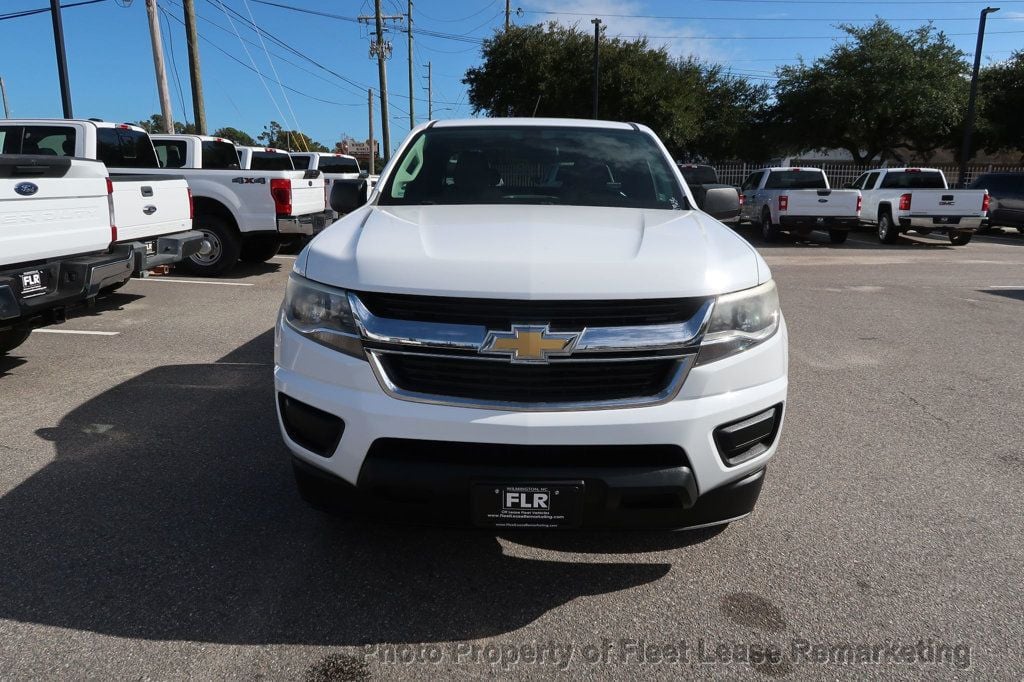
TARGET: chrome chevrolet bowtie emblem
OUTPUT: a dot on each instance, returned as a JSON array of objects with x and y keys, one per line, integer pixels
[{"x": 529, "y": 343}]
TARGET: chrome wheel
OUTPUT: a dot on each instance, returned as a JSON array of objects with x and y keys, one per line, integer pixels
[{"x": 214, "y": 253}]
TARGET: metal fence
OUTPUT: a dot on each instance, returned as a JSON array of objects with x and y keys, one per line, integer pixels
[{"x": 840, "y": 173}]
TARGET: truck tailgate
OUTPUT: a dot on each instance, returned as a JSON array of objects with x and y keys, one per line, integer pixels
[
  {"x": 52, "y": 207},
  {"x": 823, "y": 202},
  {"x": 946, "y": 202},
  {"x": 308, "y": 195},
  {"x": 147, "y": 206}
]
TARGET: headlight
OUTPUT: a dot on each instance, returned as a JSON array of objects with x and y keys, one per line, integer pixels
[
  {"x": 322, "y": 314},
  {"x": 740, "y": 321}
]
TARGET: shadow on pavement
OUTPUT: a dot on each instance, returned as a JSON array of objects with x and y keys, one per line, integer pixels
[
  {"x": 620, "y": 542},
  {"x": 170, "y": 513},
  {"x": 819, "y": 240},
  {"x": 1017, "y": 294}
]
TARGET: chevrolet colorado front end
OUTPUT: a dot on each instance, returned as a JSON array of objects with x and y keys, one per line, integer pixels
[{"x": 530, "y": 325}]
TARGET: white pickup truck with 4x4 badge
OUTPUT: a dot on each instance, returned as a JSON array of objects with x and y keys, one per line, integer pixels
[{"x": 479, "y": 344}]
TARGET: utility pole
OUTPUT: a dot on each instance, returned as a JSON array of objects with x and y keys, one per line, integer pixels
[
  {"x": 430, "y": 91},
  {"x": 412, "y": 102},
  {"x": 369, "y": 93},
  {"x": 965, "y": 151},
  {"x": 597, "y": 59},
  {"x": 508, "y": 13},
  {"x": 62, "y": 57},
  {"x": 382, "y": 51},
  {"x": 3, "y": 91},
  {"x": 158, "y": 64},
  {"x": 192, "y": 37}
]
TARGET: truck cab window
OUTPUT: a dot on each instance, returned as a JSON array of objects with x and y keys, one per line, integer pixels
[
  {"x": 43, "y": 140},
  {"x": 219, "y": 155},
  {"x": 125, "y": 148}
]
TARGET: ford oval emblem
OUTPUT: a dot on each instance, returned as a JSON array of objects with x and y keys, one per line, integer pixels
[{"x": 26, "y": 189}]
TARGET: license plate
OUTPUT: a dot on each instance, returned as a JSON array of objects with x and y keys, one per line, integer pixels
[
  {"x": 819, "y": 220},
  {"x": 946, "y": 221},
  {"x": 34, "y": 283},
  {"x": 528, "y": 505},
  {"x": 150, "y": 248}
]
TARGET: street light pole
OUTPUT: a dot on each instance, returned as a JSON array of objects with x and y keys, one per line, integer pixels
[
  {"x": 965, "y": 151},
  {"x": 62, "y": 58},
  {"x": 597, "y": 59}
]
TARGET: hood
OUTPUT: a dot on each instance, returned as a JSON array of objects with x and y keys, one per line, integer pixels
[{"x": 533, "y": 252}]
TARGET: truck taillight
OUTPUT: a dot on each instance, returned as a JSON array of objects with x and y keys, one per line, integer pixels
[
  {"x": 985, "y": 203},
  {"x": 110, "y": 210},
  {"x": 191, "y": 205},
  {"x": 281, "y": 190},
  {"x": 743, "y": 199},
  {"x": 783, "y": 202},
  {"x": 904, "y": 202},
  {"x": 860, "y": 203}
]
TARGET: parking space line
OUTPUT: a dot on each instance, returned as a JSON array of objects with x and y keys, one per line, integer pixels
[
  {"x": 74, "y": 331},
  {"x": 192, "y": 281},
  {"x": 1006, "y": 286},
  {"x": 284, "y": 257}
]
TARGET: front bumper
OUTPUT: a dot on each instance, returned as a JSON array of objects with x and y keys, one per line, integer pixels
[
  {"x": 309, "y": 224},
  {"x": 712, "y": 396},
  {"x": 818, "y": 222},
  {"x": 70, "y": 281}
]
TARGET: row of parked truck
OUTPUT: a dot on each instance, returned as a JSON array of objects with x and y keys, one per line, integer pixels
[
  {"x": 87, "y": 204},
  {"x": 891, "y": 200}
]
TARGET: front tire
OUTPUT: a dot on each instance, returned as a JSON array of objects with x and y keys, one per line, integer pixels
[
  {"x": 225, "y": 247},
  {"x": 769, "y": 230},
  {"x": 960, "y": 238},
  {"x": 888, "y": 233},
  {"x": 12, "y": 338},
  {"x": 259, "y": 249},
  {"x": 838, "y": 236}
]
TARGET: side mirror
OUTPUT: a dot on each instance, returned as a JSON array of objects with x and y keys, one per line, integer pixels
[
  {"x": 348, "y": 195},
  {"x": 721, "y": 203},
  {"x": 364, "y": 173}
]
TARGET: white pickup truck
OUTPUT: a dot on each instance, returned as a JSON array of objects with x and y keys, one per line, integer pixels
[
  {"x": 476, "y": 344},
  {"x": 798, "y": 200},
  {"x": 152, "y": 212},
  {"x": 264, "y": 158},
  {"x": 56, "y": 241},
  {"x": 333, "y": 166},
  {"x": 900, "y": 199},
  {"x": 245, "y": 214}
]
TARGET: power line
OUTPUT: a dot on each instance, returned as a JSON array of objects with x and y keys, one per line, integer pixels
[
  {"x": 29, "y": 12},
  {"x": 733, "y": 18},
  {"x": 250, "y": 68}
]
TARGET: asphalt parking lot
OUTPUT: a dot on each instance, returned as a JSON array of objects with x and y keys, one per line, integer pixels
[{"x": 149, "y": 527}]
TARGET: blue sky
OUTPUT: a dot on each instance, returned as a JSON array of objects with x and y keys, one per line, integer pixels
[{"x": 111, "y": 66}]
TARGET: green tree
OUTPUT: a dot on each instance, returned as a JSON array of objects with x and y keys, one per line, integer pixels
[
  {"x": 155, "y": 124},
  {"x": 274, "y": 135},
  {"x": 1001, "y": 90},
  {"x": 545, "y": 71},
  {"x": 235, "y": 135},
  {"x": 881, "y": 90},
  {"x": 734, "y": 118}
]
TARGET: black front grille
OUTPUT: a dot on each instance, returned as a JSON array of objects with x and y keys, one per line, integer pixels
[
  {"x": 558, "y": 382},
  {"x": 560, "y": 315},
  {"x": 448, "y": 453}
]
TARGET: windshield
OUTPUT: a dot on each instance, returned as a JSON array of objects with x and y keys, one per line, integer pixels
[
  {"x": 699, "y": 175},
  {"x": 219, "y": 155},
  {"x": 271, "y": 161},
  {"x": 914, "y": 180},
  {"x": 534, "y": 165},
  {"x": 338, "y": 164},
  {"x": 796, "y": 179}
]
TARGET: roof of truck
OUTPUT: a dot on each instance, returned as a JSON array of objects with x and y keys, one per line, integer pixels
[
  {"x": 90, "y": 121},
  {"x": 532, "y": 122}
]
